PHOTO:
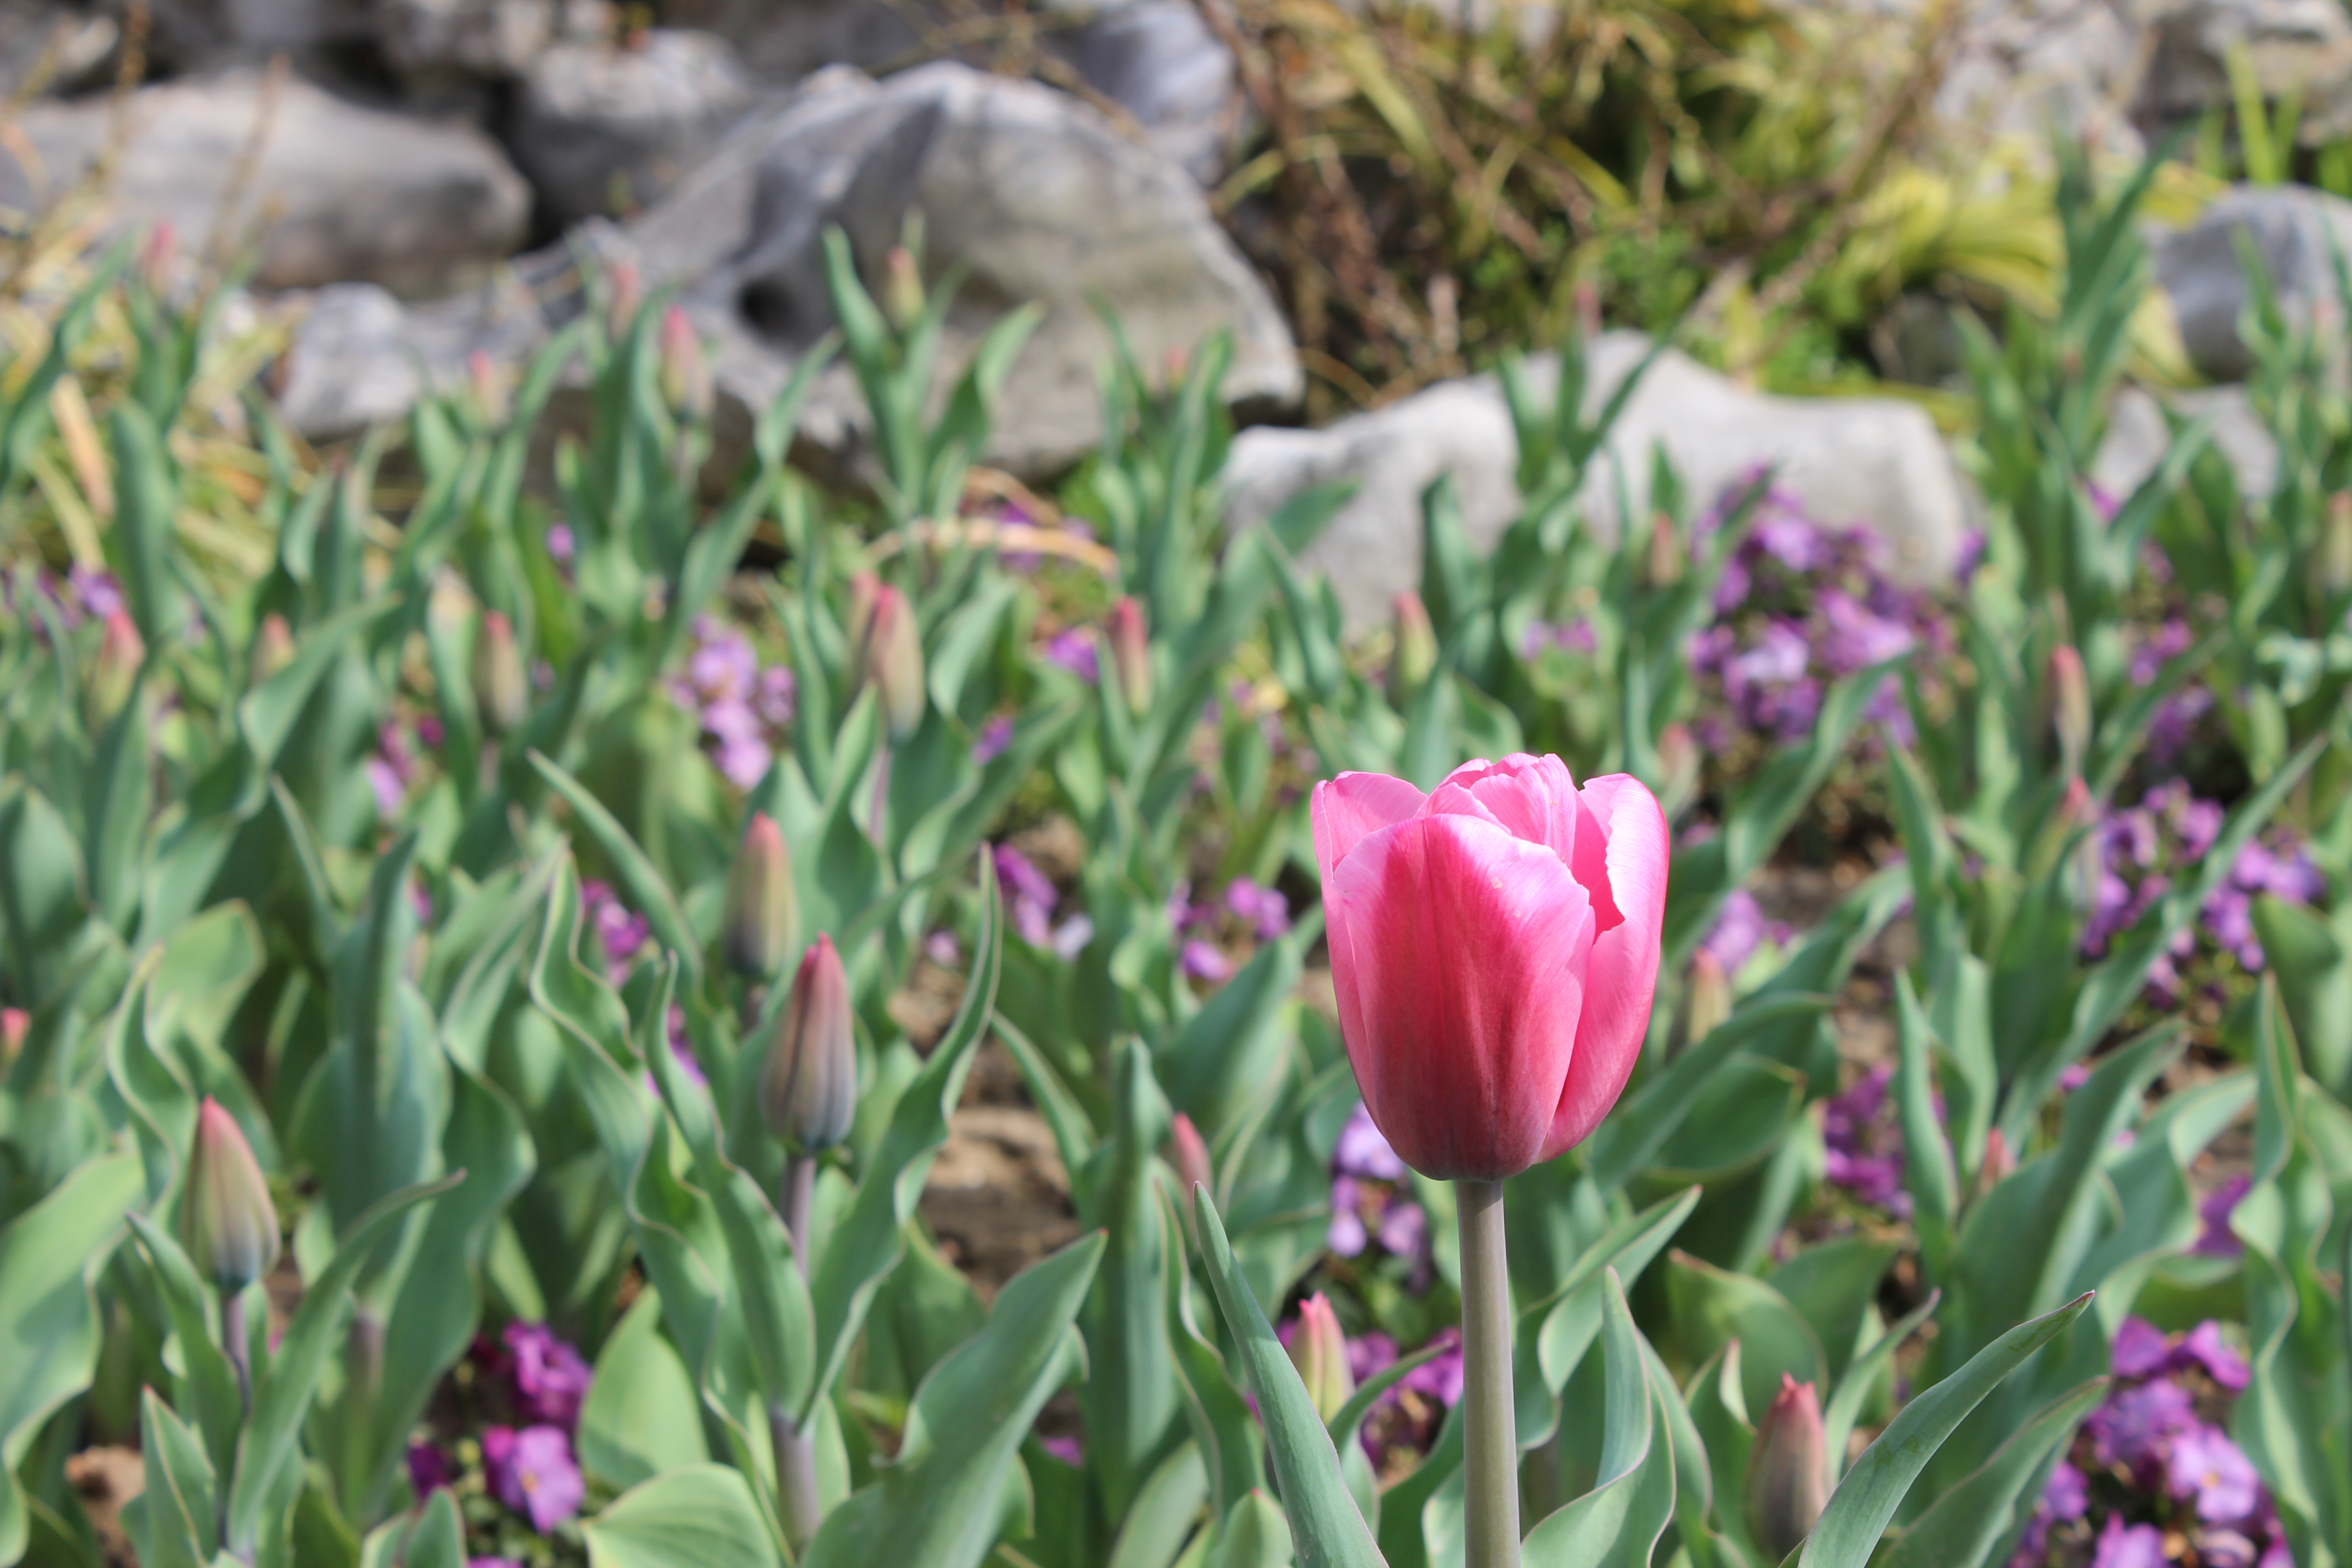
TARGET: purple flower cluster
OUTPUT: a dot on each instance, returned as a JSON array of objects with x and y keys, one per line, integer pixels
[
  {"x": 2134, "y": 857},
  {"x": 2214, "y": 1236},
  {"x": 541, "y": 1381},
  {"x": 1799, "y": 605},
  {"x": 82, "y": 594},
  {"x": 1573, "y": 636},
  {"x": 2175, "y": 718},
  {"x": 1407, "y": 1415},
  {"x": 1863, "y": 1148},
  {"x": 743, "y": 709},
  {"x": 621, "y": 931},
  {"x": 2159, "y": 1462},
  {"x": 1368, "y": 1201},
  {"x": 1739, "y": 930},
  {"x": 1074, "y": 650},
  {"x": 1264, "y": 912},
  {"x": 1035, "y": 898},
  {"x": 993, "y": 737}
]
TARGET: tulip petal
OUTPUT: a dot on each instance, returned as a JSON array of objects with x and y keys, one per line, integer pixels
[
  {"x": 1532, "y": 797},
  {"x": 1346, "y": 809},
  {"x": 1621, "y": 859},
  {"x": 1458, "y": 954}
]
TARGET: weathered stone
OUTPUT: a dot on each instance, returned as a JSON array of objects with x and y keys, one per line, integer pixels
[
  {"x": 342, "y": 193},
  {"x": 2299, "y": 48},
  {"x": 458, "y": 38},
  {"x": 2139, "y": 436},
  {"x": 2296, "y": 230},
  {"x": 1030, "y": 195},
  {"x": 1851, "y": 460},
  {"x": 784, "y": 41},
  {"x": 192, "y": 34},
  {"x": 1159, "y": 62},
  {"x": 603, "y": 129}
]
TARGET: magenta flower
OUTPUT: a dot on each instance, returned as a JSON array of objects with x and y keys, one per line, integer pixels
[
  {"x": 2141, "y": 1349},
  {"x": 1363, "y": 1150},
  {"x": 2205, "y": 1465},
  {"x": 1346, "y": 1235},
  {"x": 2125, "y": 1545},
  {"x": 1440, "y": 1378},
  {"x": 1033, "y": 894},
  {"x": 993, "y": 737},
  {"x": 428, "y": 1469},
  {"x": 1075, "y": 651},
  {"x": 1201, "y": 960},
  {"x": 1264, "y": 909},
  {"x": 549, "y": 1379},
  {"x": 2136, "y": 1425},
  {"x": 2202, "y": 1346},
  {"x": 532, "y": 1471}
]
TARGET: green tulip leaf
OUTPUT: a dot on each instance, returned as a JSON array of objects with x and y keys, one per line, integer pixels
[{"x": 703, "y": 1516}]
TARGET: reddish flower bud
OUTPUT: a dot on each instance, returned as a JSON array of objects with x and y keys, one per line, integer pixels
[
  {"x": 1413, "y": 655},
  {"x": 159, "y": 258},
  {"x": 121, "y": 651},
  {"x": 1787, "y": 1471},
  {"x": 1710, "y": 995},
  {"x": 490, "y": 388},
  {"x": 1664, "y": 566},
  {"x": 501, "y": 685},
  {"x": 15, "y": 1024},
  {"x": 1188, "y": 1151},
  {"x": 1494, "y": 950},
  {"x": 1319, "y": 1350},
  {"x": 891, "y": 660},
  {"x": 626, "y": 297},
  {"x": 902, "y": 287},
  {"x": 1130, "y": 655},
  {"x": 2070, "y": 700},
  {"x": 1999, "y": 1163},
  {"x": 808, "y": 1087},
  {"x": 761, "y": 913},
  {"x": 684, "y": 375},
  {"x": 229, "y": 1224},
  {"x": 273, "y": 647}
]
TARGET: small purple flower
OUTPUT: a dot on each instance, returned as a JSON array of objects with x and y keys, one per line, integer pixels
[
  {"x": 492, "y": 1562},
  {"x": 994, "y": 738},
  {"x": 532, "y": 1471},
  {"x": 1575, "y": 636},
  {"x": 2216, "y": 1239},
  {"x": 2138, "y": 1424},
  {"x": 1264, "y": 909},
  {"x": 1404, "y": 1229},
  {"x": 549, "y": 1377},
  {"x": 2073, "y": 1076},
  {"x": 1440, "y": 1378},
  {"x": 1370, "y": 1354},
  {"x": 1204, "y": 962},
  {"x": 428, "y": 1469},
  {"x": 1739, "y": 930},
  {"x": 2068, "y": 1495},
  {"x": 1363, "y": 1150},
  {"x": 93, "y": 591},
  {"x": 1032, "y": 893},
  {"x": 2204, "y": 1464},
  {"x": 1068, "y": 1449},
  {"x": 1070, "y": 938},
  {"x": 1346, "y": 1235},
  {"x": 2125, "y": 1545},
  {"x": 942, "y": 949},
  {"x": 2204, "y": 1348},
  {"x": 1971, "y": 555},
  {"x": 2277, "y": 1554},
  {"x": 561, "y": 545},
  {"x": 2140, "y": 1349},
  {"x": 777, "y": 697},
  {"x": 622, "y": 930},
  {"x": 386, "y": 781},
  {"x": 1075, "y": 651}
]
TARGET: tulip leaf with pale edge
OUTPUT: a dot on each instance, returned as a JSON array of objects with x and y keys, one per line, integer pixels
[
  {"x": 207, "y": 1380},
  {"x": 1553, "y": 1334},
  {"x": 1874, "y": 1488},
  {"x": 1329, "y": 1530},
  {"x": 1973, "y": 1521},
  {"x": 268, "y": 1457},
  {"x": 703, "y": 1516},
  {"x": 863, "y": 1245},
  {"x": 1710, "y": 1307},
  {"x": 1618, "y": 1522},
  {"x": 1640, "y": 1126},
  {"x": 1928, "y": 1170},
  {"x": 646, "y": 891},
  {"x": 641, "y": 1416},
  {"x": 178, "y": 1516},
  {"x": 1229, "y": 1437},
  {"x": 1831, "y": 1285},
  {"x": 1165, "y": 1509},
  {"x": 1844, "y": 1407},
  {"x": 47, "y": 1319},
  {"x": 941, "y": 1502}
]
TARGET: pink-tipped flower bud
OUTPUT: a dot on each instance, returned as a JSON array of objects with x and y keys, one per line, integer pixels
[
  {"x": 891, "y": 660},
  {"x": 1188, "y": 1151},
  {"x": 121, "y": 651},
  {"x": 489, "y": 386},
  {"x": 159, "y": 258},
  {"x": 229, "y": 1224},
  {"x": 1710, "y": 995},
  {"x": 15, "y": 1024},
  {"x": 1412, "y": 657},
  {"x": 863, "y": 590},
  {"x": 1999, "y": 1163},
  {"x": 1663, "y": 568},
  {"x": 902, "y": 287},
  {"x": 685, "y": 375},
  {"x": 1319, "y": 1350},
  {"x": 761, "y": 911},
  {"x": 501, "y": 685},
  {"x": 1130, "y": 655},
  {"x": 273, "y": 647},
  {"x": 808, "y": 1087},
  {"x": 1787, "y": 1471},
  {"x": 627, "y": 299},
  {"x": 2070, "y": 706}
]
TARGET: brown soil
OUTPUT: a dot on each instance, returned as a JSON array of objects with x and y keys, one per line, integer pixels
[
  {"x": 105, "y": 1479},
  {"x": 997, "y": 1198}
]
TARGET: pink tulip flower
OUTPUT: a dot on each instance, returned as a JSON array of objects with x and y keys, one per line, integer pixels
[{"x": 1494, "y": 950}]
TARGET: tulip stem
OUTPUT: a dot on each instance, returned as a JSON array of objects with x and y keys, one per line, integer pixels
[
  {"x": 238, "y": 1345},
  {"x": 793, "y": 1196},
  {"x": 796, "y": 1494},
  {"x": 1490, "y": 1438},
  {"x": 878, "y": 816}
]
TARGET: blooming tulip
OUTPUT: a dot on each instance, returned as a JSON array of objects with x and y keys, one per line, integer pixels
[{"x": 1494, "y": 950}]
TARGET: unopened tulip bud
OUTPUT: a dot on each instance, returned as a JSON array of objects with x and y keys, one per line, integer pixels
[
  {"x": 902, "y": 287},
  {"x": 684, "y": 375},
  {"x": 1999, "y": 1163},
  {"x": 501, "y": 685},
  {"x": 2070, "y": 697},
  {"x": 1188, "y": 1151},
  {"x": 1710, "y": 995},
  {"x": 15, "y": 1024},
  {"x": 159, "y": 258},
  {"x": 2335, "y": 544},
  {"x": 121, "y": 651},
  {"x": 1664, "y": 568},
  {"x": 628, "y": 296},
  {"x": 1412, "y": 658},
  {"x": 1787, "y": 1471},
  {"x": 761, "y": 913},
  {"x": 808, "y": 1087},
  {"x": 273, "y": 647},
  {"x": 1130, "y": 655},
  {"x": 489, "y": 386},
  {"x": 1319, "y": 1350},
  {"x": 230, "y": 1225},
  {"x": 891, "y": 660}
]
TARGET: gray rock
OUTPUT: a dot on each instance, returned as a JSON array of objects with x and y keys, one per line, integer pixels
[
  {"x": 1158, "y": 61},
  {"x": 2139, "y": 436},
  {"x": 464, "y": 38},
  {"x": 602, "y": 129},
  {"x": 1031, "y": 193},
  {"x": 2296, "y": 230},
  {"x": 785, "y": 40},
  {"x": 189, "y": 35},
  {"x": 349, "y": 193},
  {"x": 2299, "y": 48},
  {"x": 357, "y": 366},
  {"x": 1852, "y": 461}
]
